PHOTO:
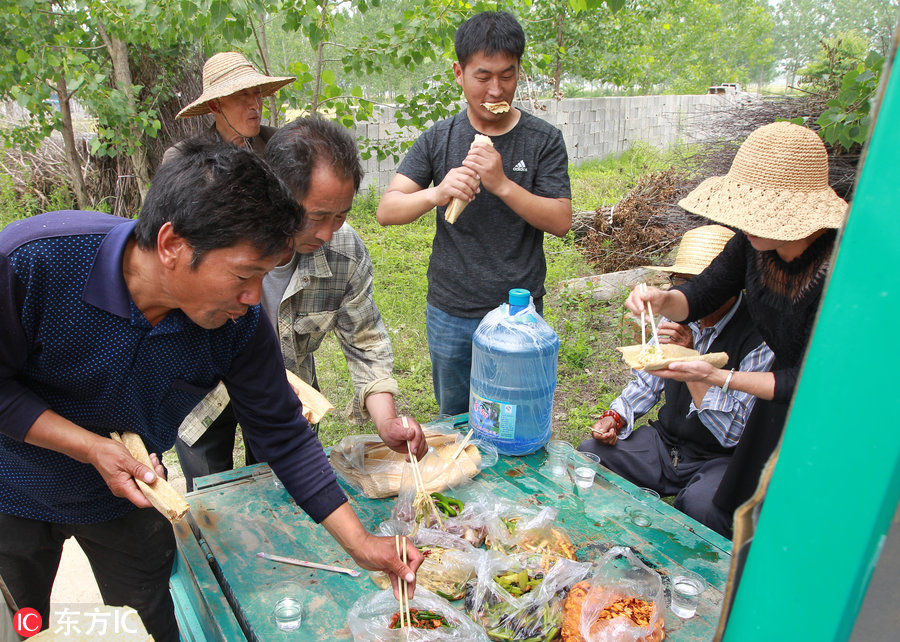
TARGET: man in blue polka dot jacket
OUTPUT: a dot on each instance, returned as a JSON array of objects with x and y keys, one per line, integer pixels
[{"x": 110, "y": 324}]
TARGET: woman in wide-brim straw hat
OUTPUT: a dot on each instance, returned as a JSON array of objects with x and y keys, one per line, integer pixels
[
  {"x": 777, "y": 196},
  {"x": 232, "y": 92}
]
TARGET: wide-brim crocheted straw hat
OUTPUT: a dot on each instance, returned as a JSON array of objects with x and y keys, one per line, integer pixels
[
  {"x": 227, "y": 73},
  {"x": 697, "y": 249},
  {"x": 777, "y": 187}
]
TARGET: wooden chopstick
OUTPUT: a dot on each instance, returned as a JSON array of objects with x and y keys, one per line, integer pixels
[
  {"x": 406, "y": 586},
  {"x": 462, "y": 446},
  {"x": 400, "y": 584},
  {"x": 653, "y": 325},
  {"x": 420, "y": 484}
]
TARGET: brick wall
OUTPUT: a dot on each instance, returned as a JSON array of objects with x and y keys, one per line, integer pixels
[{"x": 593, "y": 128}]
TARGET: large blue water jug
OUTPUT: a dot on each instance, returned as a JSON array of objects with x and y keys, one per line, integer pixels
[{"x": 514, "y": 354}]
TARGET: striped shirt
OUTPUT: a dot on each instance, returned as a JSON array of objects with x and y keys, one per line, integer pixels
[{"x": 725, "y": 415}]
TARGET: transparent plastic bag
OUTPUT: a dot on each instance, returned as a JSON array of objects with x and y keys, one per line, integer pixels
[
  {"x": 622, "y": 575},
  {"x": 513, "y": 597},
  {"x": 370, "y": 616},
  {"x": 529, "y": 530},
  {"x": 450, "y": 561},
  {"x": 367, "y": 464}
]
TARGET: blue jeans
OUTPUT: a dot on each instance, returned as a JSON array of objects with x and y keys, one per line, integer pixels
[{"x": 450, "y": 349}]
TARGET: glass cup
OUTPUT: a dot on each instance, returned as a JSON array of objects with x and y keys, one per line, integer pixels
[
  {"x": 686, "y": 590},
  {"x": 638, "y": 517},
  {"x": 584, "y": 468},
  {"x": 647, "y": 495},
  {"x": 288, "y": 613},
  {"x": 559, "y": 453}
]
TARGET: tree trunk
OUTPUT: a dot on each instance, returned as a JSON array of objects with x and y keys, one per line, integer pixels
[
  {"x": 557, "y": 73},
  {"x": 320, "y": 51},
  {"x": 68, "y": 134},
  {"x": 262, "y": 46},
  {"x": 118, "y": 53}
]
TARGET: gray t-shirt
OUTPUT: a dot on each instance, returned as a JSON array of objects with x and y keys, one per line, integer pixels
[
  {"x": 273, "y": 289},
  {"x": 490, "y": 249}
]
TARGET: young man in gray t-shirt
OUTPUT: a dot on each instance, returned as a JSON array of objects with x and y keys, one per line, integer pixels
[{"x": 516, "y": 189}]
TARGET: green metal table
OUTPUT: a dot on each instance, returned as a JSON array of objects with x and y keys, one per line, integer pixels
[{"x": 222, "y": 591}]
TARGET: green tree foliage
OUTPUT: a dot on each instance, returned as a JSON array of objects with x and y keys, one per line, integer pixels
[
  {"x": 847, "y": 72},
  {"x": 657, "y": 45},
  {"x": 801, "y": 25}
]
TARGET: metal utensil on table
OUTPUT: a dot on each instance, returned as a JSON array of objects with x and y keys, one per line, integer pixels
[{"x": 296, "y": 562}]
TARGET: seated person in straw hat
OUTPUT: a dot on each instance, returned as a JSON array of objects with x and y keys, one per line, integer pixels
[
  {"x": 232, "y": 92},
  {"x": 686, "y": 450},
  {"x": 777, "y": 195}
]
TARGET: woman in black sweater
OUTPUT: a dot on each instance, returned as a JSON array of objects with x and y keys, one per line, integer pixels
[{"x": 777, "y": 196}]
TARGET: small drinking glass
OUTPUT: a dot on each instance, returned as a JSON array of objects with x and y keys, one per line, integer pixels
[
  {"x": 584, "y": 468},
  {"x": 559, "y": 453},
  {"x": 686, "y": 590},
  {"x": 647, "y": 495},
  {"x": 288, "y": 613},
  {"x": 638, "y": 517}
]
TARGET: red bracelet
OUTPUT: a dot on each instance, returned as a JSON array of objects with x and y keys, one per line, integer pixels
[{"x": 620, "y": 423}]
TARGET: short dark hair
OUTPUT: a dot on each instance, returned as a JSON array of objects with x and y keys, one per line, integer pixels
[
  {"x": 217, "y": 195},
  {"x": 491, "y": 32},
  {"x": 295, "y": 149}
]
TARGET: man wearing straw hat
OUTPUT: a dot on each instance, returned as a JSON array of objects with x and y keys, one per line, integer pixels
[
  {"x": 232, "y": 92},
  {"x": 687, "y": 449}
]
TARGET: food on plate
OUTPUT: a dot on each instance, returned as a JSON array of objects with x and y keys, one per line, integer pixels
[
  {"x": 500, "y": 107},
  {"x": 659, "y": 357},
  {"x": 457, "y": 205},
  {"x": 421, "y": 619},
  {"x": 640, "y": 612}
]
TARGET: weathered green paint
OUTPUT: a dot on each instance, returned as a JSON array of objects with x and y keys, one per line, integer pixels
[
  {"x": 247, "y": 514},
  {"x": 837, "y": 481}
]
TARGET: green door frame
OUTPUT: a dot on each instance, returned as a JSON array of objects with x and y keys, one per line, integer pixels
[{"x": 835, "y": 488}]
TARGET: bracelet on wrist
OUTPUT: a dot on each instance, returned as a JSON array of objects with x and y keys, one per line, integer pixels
[
  {"x": 727, "y": 381},
  {"x": 620, "y": 423}
]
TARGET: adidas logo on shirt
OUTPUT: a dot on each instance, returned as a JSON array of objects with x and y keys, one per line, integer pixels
[{"x": 520, "y": 167}]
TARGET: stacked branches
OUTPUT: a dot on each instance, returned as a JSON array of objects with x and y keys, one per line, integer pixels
[{"x": 647, "y": 224}]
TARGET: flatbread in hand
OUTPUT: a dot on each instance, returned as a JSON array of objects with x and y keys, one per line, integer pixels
[{"x": 670, "y": 354}]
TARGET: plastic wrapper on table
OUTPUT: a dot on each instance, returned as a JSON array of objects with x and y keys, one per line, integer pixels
[
  {"x": 514, "y": 599},
  {"x": 371, "y": 615},
  {"x": 530, "y": 530},
  {"x": 620, "y": 575},
  {"x": 367, "y": 464},
  {"x": 450, "y": 561}
]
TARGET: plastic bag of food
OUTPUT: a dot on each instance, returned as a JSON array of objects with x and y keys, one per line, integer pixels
[
  {"x": 371, "y": 617},
  {"x": 513, "y": 597},
  {"x": 623, "y": 602},
  {"x": 524, "y": 530},
  {"x": 367, "y": 464},
  {"x": 449, "y": 563}
]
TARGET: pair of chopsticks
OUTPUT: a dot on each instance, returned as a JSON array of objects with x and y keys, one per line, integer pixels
[
  {"x": 462, "y": 445},
  {"x": 652, "y": 323},
  {"x": 403, "y": 586},
  {"x": 420, "y": 483}
]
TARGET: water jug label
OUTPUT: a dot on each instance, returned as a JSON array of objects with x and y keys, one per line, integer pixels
[{"x": 494, "y": 416}]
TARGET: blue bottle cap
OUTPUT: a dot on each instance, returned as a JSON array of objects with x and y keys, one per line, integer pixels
[{"x": 519, "y": 297}]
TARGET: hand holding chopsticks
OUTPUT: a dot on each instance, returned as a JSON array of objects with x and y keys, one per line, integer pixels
[
  {"x": 652, "y": 321},
  {"x": 403, "y": 587}
]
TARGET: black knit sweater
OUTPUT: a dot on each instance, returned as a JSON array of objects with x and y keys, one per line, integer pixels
[{"x": 782, "y": 297}]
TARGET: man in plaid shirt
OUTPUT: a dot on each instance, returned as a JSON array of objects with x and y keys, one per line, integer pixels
[{"x": 326, "y": 285}]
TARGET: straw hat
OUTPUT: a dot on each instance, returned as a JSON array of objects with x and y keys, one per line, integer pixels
[
  {"x": 697, "y": 249},
  {"x": 777, "y": 187},
  {"x": 227, "y": 73}
]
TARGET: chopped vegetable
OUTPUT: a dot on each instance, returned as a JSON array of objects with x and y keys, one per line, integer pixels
[{"x": 421, "y": 619}]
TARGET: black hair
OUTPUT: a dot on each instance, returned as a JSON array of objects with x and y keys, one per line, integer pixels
[
  {"x": 295, "y": 149},
  {"x": 490, "y": 32},
  {"x": 217, "y": 195}
]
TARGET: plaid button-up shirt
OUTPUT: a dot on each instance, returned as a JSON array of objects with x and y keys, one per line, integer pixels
[{"x": 331, "y": 289}]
